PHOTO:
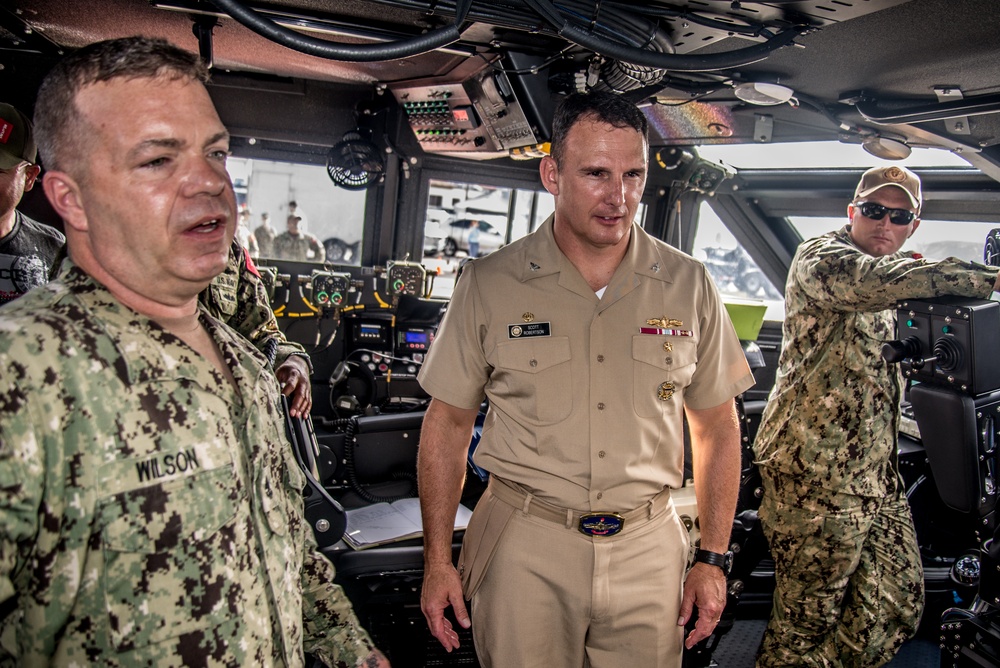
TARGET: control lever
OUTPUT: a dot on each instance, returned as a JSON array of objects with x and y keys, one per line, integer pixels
[
  {"x": 947, "y": 353},
  {"x": 895, "y": 352},
  {"x": 323, "y": 513}
]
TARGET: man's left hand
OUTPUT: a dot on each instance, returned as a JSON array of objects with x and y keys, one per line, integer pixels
[
  {"x": 704, "y": 587},
  {"x": 293, "y": 374}
]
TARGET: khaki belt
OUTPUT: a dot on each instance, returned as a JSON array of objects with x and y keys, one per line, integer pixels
[{"x": 592, "y": 523}]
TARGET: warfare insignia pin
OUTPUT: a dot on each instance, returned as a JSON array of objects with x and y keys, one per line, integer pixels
[
  {"x": 527, "y": 316},
  {"x": 665, "y": 391},
  {"x": 664, "y": 321}
]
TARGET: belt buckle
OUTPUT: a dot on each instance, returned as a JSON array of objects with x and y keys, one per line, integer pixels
[{"x": 601, "y": 524}]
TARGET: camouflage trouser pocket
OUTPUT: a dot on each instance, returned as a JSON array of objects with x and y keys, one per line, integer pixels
[
  {"x": 164, "y": 557},
  {"x": 482, "y": 538}
]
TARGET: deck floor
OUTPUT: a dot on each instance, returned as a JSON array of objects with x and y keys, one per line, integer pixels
[{"x": 738, "y": 647}]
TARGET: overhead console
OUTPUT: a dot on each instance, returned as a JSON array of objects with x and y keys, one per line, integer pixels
[{"x": 478, "y": 111}]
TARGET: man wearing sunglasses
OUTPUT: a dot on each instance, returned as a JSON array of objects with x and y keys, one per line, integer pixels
[{"x": 849, "y": 587}]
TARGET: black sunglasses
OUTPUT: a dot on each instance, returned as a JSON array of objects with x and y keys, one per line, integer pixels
[{"x": 877, "y": 212}]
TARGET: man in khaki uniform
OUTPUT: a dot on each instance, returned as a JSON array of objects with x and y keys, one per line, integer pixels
[
  {"x": 849, "y": 581},
  {"x": 591, "y": 341}
]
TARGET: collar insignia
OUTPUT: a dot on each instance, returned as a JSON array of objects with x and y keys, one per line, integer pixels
[{"x": 527, "y": 316}]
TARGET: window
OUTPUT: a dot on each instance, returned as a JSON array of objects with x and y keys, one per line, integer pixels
[
  {"x": 934, "y": 239},
  {"x": 334, "y": 216},
  {"x": 736, "y": 274},
  {"x": 501, "y": 214},
  {"x": 717, "y": 247},
  {"x": 813, "y": 155}
]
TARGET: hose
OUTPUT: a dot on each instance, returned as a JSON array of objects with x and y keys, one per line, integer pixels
[
  {"x": 367, "y": 53},
  {"x": 675, "y": 62}
]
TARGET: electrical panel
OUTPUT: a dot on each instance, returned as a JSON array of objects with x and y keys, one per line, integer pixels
[{"x": 479, "y": 112}]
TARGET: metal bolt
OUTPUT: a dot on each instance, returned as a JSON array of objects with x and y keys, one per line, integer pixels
[{"x": 323, "y": 526}]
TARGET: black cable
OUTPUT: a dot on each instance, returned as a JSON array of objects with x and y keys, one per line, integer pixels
[
  {"x": 350, "y": 438},
  {"x": 406, "y": 48},
  {"x": 748, "y": 28},
  {"x": 680, "y": 63},
  {"x": 270, "y": 351},
  {"x": 545, "y": 10}
]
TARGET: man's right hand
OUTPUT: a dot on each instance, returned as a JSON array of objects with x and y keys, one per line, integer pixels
[{"x": 443, "y": 587}]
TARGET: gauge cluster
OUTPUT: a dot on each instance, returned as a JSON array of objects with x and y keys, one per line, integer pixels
[{"x": 366, "y": 329}]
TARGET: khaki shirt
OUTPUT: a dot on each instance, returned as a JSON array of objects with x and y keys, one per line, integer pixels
[
  {"x": 585, "y": 411},
  {"x": 833, "y": 415},
  {"x": 150, "y": 512}
]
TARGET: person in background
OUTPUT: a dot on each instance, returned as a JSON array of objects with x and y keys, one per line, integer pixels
[
  {"x": 473, "y": 238},
  {"x": 28, "y": 249},
  {"x": 264, "y": 234},
  {"x": 849, "y": 585},
  {"x": 592, "y": 341},
  {"x": 244, "y": 235},
  {"x": 143, "y": 454},
  {"x": 295, "y": 210},
  {"x": 238, "y": 298},
  {"x": 294, "y": 244}
]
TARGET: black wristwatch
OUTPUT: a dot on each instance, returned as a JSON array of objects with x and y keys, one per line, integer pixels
[{"x": 723, "y": 561}]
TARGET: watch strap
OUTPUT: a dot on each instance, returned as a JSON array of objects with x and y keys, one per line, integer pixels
[{"x": 711, "y": 558}]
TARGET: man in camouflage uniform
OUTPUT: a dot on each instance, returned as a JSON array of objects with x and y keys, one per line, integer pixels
[
  {"x": 238, "y": 298},
  {"x": 264, "y": 234},
  {"x": 151, "y": 510},
  {"x": 294, "y": 244},
  {"x": 849, "y": 581}
]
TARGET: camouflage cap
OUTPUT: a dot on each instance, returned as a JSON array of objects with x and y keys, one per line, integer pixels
[
  {"x": 17, "y": 144},
  {"x": 880, "y": 177}
]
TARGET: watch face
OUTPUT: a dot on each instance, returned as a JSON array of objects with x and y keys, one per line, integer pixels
[{"x": 723, "y": 561}]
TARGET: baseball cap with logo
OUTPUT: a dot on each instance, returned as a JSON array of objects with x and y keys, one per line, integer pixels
[
  {"x": 16, "y": 141},
  {"x": 881, "y": 177}
]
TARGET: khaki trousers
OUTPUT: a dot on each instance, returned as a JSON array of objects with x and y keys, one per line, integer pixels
[{"x": 551, "y": 596}]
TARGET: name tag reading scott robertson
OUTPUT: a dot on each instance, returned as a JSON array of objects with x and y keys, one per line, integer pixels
[{"x": 529, "y": 329}]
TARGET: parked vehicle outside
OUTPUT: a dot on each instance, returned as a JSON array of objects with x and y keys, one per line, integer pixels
[
  {"x": 453, "y": 237},
  {"x": 339, "y": 251}
]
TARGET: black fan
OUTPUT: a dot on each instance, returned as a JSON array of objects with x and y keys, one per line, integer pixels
[{"x": 355, "y": 163}]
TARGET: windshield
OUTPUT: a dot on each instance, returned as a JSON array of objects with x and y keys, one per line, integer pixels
[{"x": 270, "y": 195}]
